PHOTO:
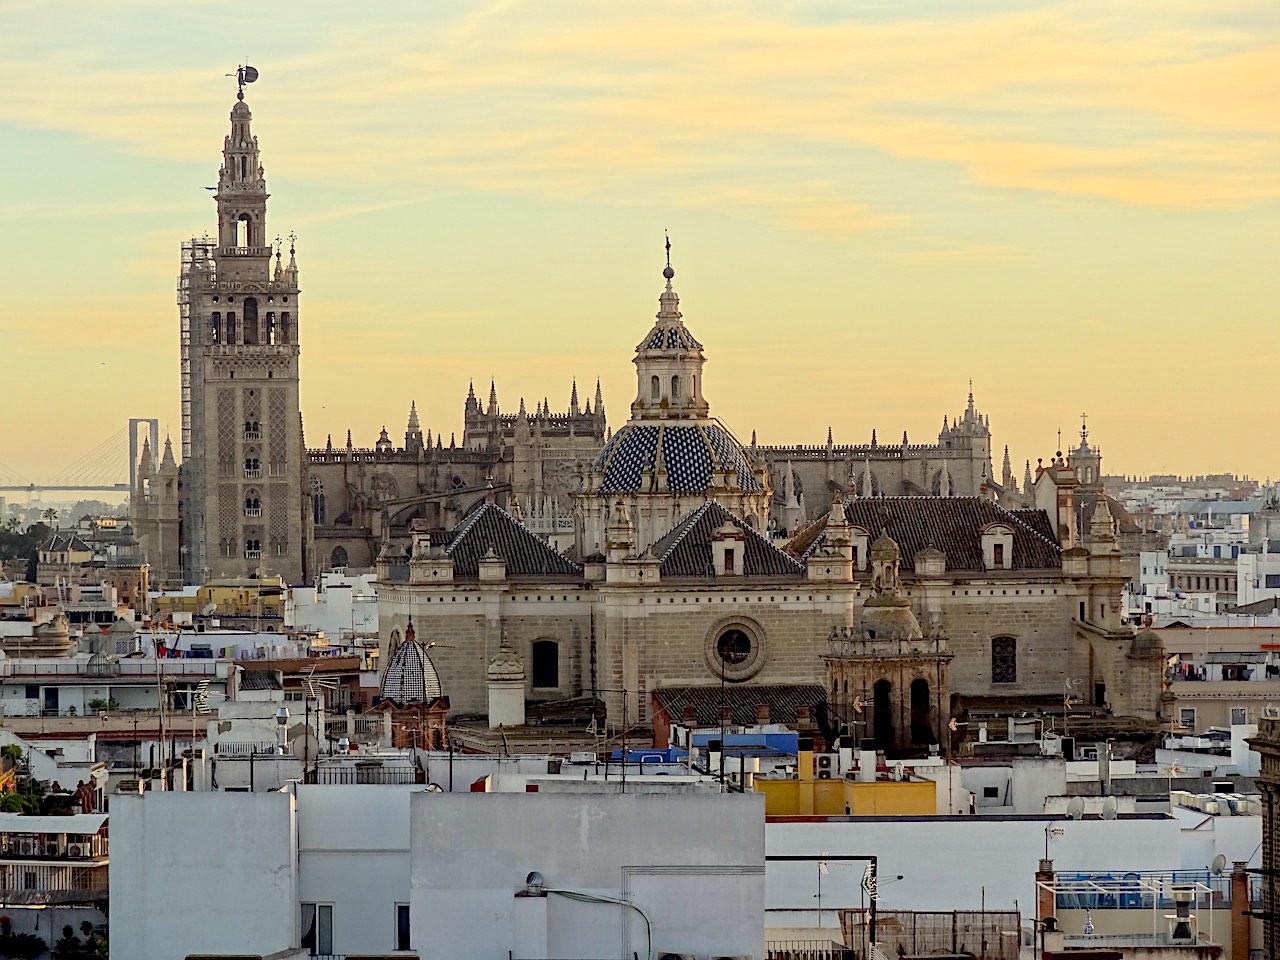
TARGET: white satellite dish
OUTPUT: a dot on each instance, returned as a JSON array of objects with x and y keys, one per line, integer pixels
[
  {"x": 1075, "y": 808},
  {"x": 305, "y": 747},
  {"x": 1109, "y": 808},
  {"x": 434, "y": 788},
  {"x": 1219, "y": 864}
]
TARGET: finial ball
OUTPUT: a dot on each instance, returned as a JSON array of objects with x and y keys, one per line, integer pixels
[{"x": 668, "y": 272}]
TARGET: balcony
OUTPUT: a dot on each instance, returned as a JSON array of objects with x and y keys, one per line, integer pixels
[
  {"x": 253, "y": 511},
  {"x": 253, "y": 434},
  {"x": 253, "y": 554},
  {"x": 251, "y": 474}
]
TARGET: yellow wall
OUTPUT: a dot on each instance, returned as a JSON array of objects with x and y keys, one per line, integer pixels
[
  {"x": 231, "y": 600},
  {"x": 828, "y": 798}
]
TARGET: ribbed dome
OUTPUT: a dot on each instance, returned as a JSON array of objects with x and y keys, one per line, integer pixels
[
  {"x": 690, "y": 453},
  {"x": 411, "y": 676}
]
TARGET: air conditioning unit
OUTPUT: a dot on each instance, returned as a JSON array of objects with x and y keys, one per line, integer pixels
[
  {"x": 825, "y": 761},
  {"x": 582, "y": 756},
  {"x": 668, "y": 955},
  {"x": 824, "y": 774},
  {"x": 77, "y": 850},
  {"x": 27, "y": 848}
]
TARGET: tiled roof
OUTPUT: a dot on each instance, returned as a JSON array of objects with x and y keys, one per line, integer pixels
[
  {"x": 69, "y": 542},
  {"x": 670, "y": 338},
  {"x": 741, "y": 699},
  {"x": 690, "y": 452},
  {"x": 686, "y": 550},
  {"x": 951, "y": 524},
  {"x": 1089, "y": 502},
  {"x": 492, "y": 528},
  {"x": 411, "y": 676},
  {"x": 259, "y": 680}
]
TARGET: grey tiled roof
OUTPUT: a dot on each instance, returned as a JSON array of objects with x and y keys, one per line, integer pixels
[
  {"x": 491, "y": 527},
  {"x": 670, "y": 338},
  {"x": 950, "y": 524},
  {"x": 686, "y": 550},
  {"x": 741, "y": 699},
  {"x": 690, "y": 452}
]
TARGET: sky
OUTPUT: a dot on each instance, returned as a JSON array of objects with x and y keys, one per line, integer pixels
[{"x": 1075, "y": 205}]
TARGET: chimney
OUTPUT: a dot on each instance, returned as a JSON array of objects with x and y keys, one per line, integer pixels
[
  {"x": 1239, "y": 911},
  {"x": 690, "y": 714},
  {"x": 726, "y": 716},
  {"x": 802, "y": 714},
  {"x": 762, "y": 714}
]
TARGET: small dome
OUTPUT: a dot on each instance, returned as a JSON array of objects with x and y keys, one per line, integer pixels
[
  {"x": 1146, "y": 643},
  {"x": 889, "y": 621},
  {"x": 885, "y": 548},
  {"x": 411, "y": 676},
  {"x": 241, "y": 111}
]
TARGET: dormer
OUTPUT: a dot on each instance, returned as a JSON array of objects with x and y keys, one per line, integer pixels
[
  {"x": 997, "y": 546},
  {"x": 728, "y": 550},
  {"x": 492, "y": 568},
  {"x": 860, "y": 538}
]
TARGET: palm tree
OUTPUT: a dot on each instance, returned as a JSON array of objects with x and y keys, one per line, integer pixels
[{"x": 51, "y": 516}]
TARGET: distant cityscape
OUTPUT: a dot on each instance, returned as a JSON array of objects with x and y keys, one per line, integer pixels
[{"x": 569, "y": 684}]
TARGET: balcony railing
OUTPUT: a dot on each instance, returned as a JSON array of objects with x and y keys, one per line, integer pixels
[
  {"x": 252, "y": 554},
  {"x": 253, "y": 434},
  {"x": 252, "y": 474},
  {"x": 253, "y": 511}
]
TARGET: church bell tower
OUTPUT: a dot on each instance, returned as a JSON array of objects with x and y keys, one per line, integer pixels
[{"x": 243, "y": 454}]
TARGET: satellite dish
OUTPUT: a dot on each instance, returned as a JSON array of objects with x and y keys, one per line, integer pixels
[
  {"x": 857, "y": 704},
  {"x": 1109, "y": 808},
  {"x": 434, "y": 788},
  {"x": 1219, "y": 864},
  {"x": 305, "y": 747},
  {"x": 1075, "y": 808}
]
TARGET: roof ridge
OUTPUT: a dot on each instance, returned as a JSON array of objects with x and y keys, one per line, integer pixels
[
  {"x": 687, "y": 524},
  {"x": 1014, "y": 518},
  {"x": 467, "y": 524}
]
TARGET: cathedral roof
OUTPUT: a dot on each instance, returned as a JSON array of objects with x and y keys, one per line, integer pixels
[
  {"x": 492, "y": 528},
  {"x": 690, "y": 453},
  {"x": 953, "y": 525},
  {"x": 411, "y": 676},
  {"x": 687, "y": 552},
  {"x": 1086, "y": 505}
]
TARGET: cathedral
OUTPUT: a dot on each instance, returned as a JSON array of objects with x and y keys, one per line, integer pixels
[{"x": 638, "y": 564}]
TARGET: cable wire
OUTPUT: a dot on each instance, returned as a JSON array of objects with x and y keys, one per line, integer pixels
[{"x": 592, "y": 898}]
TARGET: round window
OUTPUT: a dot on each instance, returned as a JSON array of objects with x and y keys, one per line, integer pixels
[{"x": 734, "y": 649}]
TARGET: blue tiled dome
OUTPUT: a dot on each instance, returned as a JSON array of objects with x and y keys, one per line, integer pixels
[{"x": 690, "y": 453}]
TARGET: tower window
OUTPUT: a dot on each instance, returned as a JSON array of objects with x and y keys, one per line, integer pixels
[
  {"x": 250, "y": 321},
  {"x": 284, "y": 328},
  {"x": 215, "y": 327},
  {"x": 675, "y": 388},
  {"x": 243, "y": 230},
  {"x": 230, "y": 328},
  {"x": 655, "y": 388}
]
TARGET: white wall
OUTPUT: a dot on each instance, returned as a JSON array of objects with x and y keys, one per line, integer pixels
[
  {"x": 694, "y": 864},
  {"x": 353, "y": 853},
  {"x": 946, "y": 863},
  {"x": 202, "y": 873}
]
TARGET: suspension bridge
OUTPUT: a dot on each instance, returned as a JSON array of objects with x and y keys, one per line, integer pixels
[{"x": 107, "y": 468}]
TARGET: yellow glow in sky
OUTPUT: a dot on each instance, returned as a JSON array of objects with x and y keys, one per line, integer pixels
[{"x": 1072, "y": 203}]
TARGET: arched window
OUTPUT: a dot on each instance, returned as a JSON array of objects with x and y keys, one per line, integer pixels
[
  {"x": 250, "y": 321},
  {"x": 921, "y": 728},
  {"x": 338, "y": 559},
  {"x": 230, "y": 330},
  {"x": 317, "y": 501},
  {"x": 243, "y": 230},
  {"x": 545, "y": 663},
  {"x": 655, "y": 388},
  {"x": 215, "y": 332},
  {"x": 283, "y": 336},
  {"x": 675, "y": 388},
  {"x": 882, "y": 714},
  {"x": 1004, "y": 660}
]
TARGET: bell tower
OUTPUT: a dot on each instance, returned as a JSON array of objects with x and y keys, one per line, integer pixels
[{"x": 243, "y": 454}]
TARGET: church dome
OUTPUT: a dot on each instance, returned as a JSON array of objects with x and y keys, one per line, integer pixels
[
  {"x": 690, "y": 454},
  {"x": 1146, "y": 643},
  {"x": 893, "y": 620},
  {"x": 411, "y": 676},
  {"x": 886, "y": 548}
]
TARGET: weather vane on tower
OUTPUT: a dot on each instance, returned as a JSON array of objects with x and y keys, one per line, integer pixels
[{"x": 244, "y": 75}]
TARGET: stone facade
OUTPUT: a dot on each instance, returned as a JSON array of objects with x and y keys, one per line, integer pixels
[
  {"x": 1267, "y": 743},
  {"x": 243, "y": 455}
]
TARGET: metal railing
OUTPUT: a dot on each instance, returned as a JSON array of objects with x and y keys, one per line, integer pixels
[{"x": 808, "y": 950}]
